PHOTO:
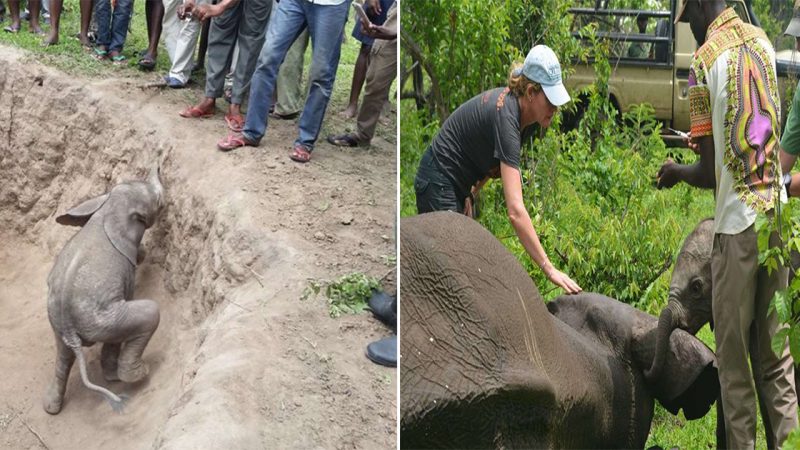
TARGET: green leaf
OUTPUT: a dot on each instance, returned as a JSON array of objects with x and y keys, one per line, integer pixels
[
  {"x": 779, "y": 341},
  {"x": 780, "y": 304},
  {"x": 794, "y": 342}
]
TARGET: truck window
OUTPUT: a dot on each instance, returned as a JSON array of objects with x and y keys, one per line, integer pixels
[{"x": 636, "y": 36}]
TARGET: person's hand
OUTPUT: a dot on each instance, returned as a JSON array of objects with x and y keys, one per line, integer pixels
[
  {"x": 561, "y": 280},
  {"x": 206, "y": 11},
  {"x": 373, "y": 8},
  {"x": 667, "y": 175},
  {"x": 186, "y": 9},
  {"x": 692, "y": 144},
  {"x": 378, "y": 31}
]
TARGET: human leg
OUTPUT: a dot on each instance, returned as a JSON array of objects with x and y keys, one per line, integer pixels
[
  {"x": 171, "y": 26},
  {"x": 326, "y": 28},
  {"x": 290, "y": 79},
  {"x": 183, "y": 52},
  {"x": 55, "y": 21},
  {"x": 102, "y": 12},
  {"x": 734, "y": 265},
  {"x": 359, "y": 75},
  {"x": 381, "y": 73},
  {"x": 35, "y": 7},
  {"x": 13, "y": 8},
  {"x": 154, "y": 12},
  {"x": 119, "y": 26},
  {"x": 252, "y": 29},
  {"x": 774, "y": 374},
  {"x": 288, "y": 22},
  {"x": 86, "y": 7},
  {"x": 221, "y": 39}
]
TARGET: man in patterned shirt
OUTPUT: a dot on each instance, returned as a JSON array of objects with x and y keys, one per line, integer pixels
[{"x": 735, "y": 117}]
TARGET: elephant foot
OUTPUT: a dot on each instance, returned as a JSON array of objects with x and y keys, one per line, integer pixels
[
  {"x": 131, "y": 373},
  {"x": 53, "y": 400}
]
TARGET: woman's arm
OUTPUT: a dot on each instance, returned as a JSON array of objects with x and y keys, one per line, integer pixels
[{"x": 521, "y": 221}]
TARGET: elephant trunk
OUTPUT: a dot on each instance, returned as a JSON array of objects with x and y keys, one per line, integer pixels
[
  {"x": 154, "y": 180},
  {"x": 666, "y": 323}
]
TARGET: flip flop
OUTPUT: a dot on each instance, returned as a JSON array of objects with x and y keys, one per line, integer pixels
[
  {"x": 10, "y": 29},
  {"x": 235, "y": 122},
  {"x": 147, "y": 62},
  {"x": 234, "y": 141},
  {"x": 343, "y": 140},
  {"x": 100, "y": 55},
  {"x": 119, "y": 60},
  {"x": 300, "y": 154},
  {"x": 193, "y": 112}
]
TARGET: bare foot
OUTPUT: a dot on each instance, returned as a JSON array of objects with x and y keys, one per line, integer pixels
[{"x": 51, "y": 39}]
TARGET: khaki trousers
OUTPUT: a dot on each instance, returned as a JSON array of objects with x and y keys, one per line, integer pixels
[
  {"x": 381, "y": 72},
  {"x": 742, "y": 291},
  {"x": 291, "y": 95}
]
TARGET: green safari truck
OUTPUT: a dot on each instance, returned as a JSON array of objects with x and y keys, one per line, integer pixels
[{"x": 650, "y": 58}]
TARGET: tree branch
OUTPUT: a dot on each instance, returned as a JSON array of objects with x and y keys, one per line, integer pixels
[{"x": 416, "y": 54}]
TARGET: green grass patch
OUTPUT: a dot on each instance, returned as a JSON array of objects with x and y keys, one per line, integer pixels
[{"x": 347, "y": 294}]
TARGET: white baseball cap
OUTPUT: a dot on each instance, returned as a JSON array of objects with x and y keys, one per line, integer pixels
[{"x": 542, "y": 66}]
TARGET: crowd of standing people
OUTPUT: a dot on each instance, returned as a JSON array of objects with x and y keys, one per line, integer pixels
[{"x": 252, "y": 52}]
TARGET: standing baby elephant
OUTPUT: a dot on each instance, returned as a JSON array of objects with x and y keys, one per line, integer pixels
[{"x": 90, "y": 288}]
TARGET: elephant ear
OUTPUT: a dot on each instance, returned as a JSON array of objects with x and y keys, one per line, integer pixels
[
  {"x": 689, "y": 380},
  {"x": 123, "y": 229},
  {"x": 79, "y": 215}
]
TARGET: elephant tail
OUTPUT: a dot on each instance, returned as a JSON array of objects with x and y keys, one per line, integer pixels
[{"x": 117, "y": 401}]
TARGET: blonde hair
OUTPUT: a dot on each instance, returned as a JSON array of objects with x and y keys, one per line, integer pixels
[{"x": 518, "y": 83}]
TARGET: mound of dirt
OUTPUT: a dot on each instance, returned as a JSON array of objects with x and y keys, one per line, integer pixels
[{"x": 238, "y": 361}]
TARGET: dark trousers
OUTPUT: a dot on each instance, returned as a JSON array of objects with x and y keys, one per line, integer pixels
[{"x": 435, "y": 192}]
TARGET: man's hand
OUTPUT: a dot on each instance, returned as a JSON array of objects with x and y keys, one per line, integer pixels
[
  {"x": 378, "y": 31},
  {"x": 186, "y": 9},
  {"x": 373, "y": 8},
  {"x": 667, "y": 175},
  {"x": 694, "y": 146},
  {"x": 206, "y": 11},
  {"x": 561, "y": 280}
]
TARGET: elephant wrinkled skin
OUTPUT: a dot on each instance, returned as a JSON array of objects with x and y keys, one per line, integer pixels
[
  {"x": 484, "y": 364},
  {"x": 90, "y": 289}
]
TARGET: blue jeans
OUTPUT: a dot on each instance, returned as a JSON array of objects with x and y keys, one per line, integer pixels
[
  {"x": 326, "y": 27},
  {"x": 112, "y": 30}
]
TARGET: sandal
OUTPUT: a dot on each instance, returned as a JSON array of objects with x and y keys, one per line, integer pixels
[
  {"x": 119, "y": 59},
  {"x": 343, "y": 140},
  {"x": 234, "y": 141},
  {"x": 99, "y": 54},
  {"x": 235, "y": 122},
  {"x": 300, "y": 154},
  {"x": 279, "y": 116},
  {"x": 193, "y": 112},
  {"x": 147, "y": 62},
  {"x": 11, "y": 29}
]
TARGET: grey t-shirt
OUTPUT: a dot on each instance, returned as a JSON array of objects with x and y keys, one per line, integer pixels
[{"x": 480, "y": 133}]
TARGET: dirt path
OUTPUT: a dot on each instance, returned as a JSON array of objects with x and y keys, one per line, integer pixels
[{"x": 239, "y": 361}]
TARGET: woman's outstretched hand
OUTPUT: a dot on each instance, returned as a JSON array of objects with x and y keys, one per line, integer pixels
[{"x": 561, "y": 280}]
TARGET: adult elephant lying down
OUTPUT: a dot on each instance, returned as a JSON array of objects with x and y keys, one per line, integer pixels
[{"x": 484, "y": 364}]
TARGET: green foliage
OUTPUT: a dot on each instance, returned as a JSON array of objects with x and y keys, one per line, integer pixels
[
  {"x": 793, "y": 441},
  {"x": 786, "y": 302},
  {"x": 346, "y": 295}
]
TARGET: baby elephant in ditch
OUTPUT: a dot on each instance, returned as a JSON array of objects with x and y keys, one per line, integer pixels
[{"x": 90, "y": 288}]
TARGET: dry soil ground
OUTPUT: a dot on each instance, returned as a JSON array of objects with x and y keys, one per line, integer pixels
[{"x": 239, "y": 361}]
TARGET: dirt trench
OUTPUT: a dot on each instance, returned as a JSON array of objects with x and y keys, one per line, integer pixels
[{"x": 238, "y": 361}]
